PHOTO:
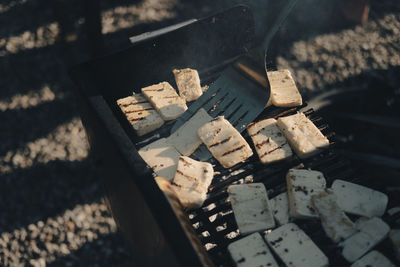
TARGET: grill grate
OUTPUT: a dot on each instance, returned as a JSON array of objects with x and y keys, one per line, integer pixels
[{"x": 214, "y": 223}]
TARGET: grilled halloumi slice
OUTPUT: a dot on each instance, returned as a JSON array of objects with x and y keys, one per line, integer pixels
[
  {"x": 280, "y": 208},
  {"x": 251, "y": 251},
  {"x": 335, "y": 223},
  {"x": 224, "y": 142},
  {"x": 303, "y": 136},
  {"x": 251, "y": 207},
  {"x": 359, "y": 200},
  {"x": 373, "y": 259},
  {"x": 371, "y": 232},
  {"x": 295, "y": 248},
  {"x": 188, "y": 82},
  {"x": 165, "y": 100},
  {"x": 269, "y": 141},
  {"x": 140, "y": 113},
  {"x": 191, "y": 181},
  {"x": 161, "y": 157},
  {"x": 301, "y": 186},
  {"x": 185, "y": 139},
  {"x": 284, "y": 92}
]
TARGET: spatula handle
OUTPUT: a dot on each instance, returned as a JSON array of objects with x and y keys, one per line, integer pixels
[{"x": 274, "y": 24}]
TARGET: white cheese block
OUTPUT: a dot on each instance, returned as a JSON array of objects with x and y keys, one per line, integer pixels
[
  {"x": 185, "y": 139},
  {"x": 140, "y": 113},
  {"x": 284, "y": 92},
  {"x": 295, "y": 248},
  {"x": 303, "y": 136},
  {"x": 371, "y": 232},
  {"x": 188, "y": 82},
  {"x": 335, "y": 223},
  {"x": 224, "y": 142},
  {"x": 192, "y": 179},
  {"x": 270, "y": 143},
  {"x": 165, "y": 100},
  {"x": 301, "y": 186},
  {"x": 161, "y": 157},
  {"x": 251, "y": 207},
  {"x": 373, "y": 259},
  {"x": 251, "y": 251},
  {"x": 280, "y": 207},
  {"x": 394, "y": 237},
  {"x": 359, "y": 200}
]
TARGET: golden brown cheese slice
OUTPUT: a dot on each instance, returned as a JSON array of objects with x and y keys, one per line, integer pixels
[
  {"x": 270, "y": 143},
  {"x": 165, "y": 100},
  {"x": 191, "y": 181},
  {"x": 140, "y": 113},
  {"x": 303, "y": 136},
  {"x": 284, "y": 92},
  {"x": 188, "y": 82},
  {"x": 224, "y": 142}
]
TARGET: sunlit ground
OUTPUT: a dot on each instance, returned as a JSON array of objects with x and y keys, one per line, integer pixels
[{"x": 51, "y": 209}]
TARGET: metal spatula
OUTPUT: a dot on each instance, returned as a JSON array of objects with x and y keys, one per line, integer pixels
[{"x": 242, "y": 91}]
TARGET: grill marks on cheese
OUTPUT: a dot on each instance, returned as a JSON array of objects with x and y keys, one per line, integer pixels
[
  {"x": 165, "y": 100},
  {"x": 224, "y": 142},
  {"x": 140, "y": 113},
  {"x": 269, "y": 141},
  {"x": 191, "y": 181},
  {"x": 304, "y": 137}
]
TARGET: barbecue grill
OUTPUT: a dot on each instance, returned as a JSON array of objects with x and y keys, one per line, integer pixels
[{"x": 160, "y": 232}]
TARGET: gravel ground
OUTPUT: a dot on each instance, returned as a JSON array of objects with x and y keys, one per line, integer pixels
[{"x": 52, "y": 212}]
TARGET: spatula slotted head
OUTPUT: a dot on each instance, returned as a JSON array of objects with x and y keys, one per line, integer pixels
[{"x": 233, "y": 95}]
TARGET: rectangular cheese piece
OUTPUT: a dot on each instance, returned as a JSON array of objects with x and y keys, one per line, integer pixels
[
  {"x": 224, "y": 142},
  {"x": 188, "y": 82},
  {"x": 284, "y": 92},
  {"x": 192, "y": 179},
  {"x": 394, "y": 237},
  {"x": 295, "y": 248},
  {"x": 335, "y": 223},
  {"x": 373, "y": 259},
  {"x": 251, "y": 207},
  {"x": 251, "y": 251},
  {"x": 161, "y": 157},
  {"x": 359, "y": 200},
  {"x": 165, "y": 100},
  {"x": 185, "y": 139},
  {"x": 269, "y": 141},
  {"x": 140, "y": 113},
  {"x": 280, "y": 207},
  {"x": 302, "y": 185},
  {"x": 303, "y": 136},
  {"x": 371, "y": 232}
]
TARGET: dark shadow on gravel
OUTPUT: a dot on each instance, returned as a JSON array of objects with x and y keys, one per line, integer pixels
[
  {"x": 100, "y": 252},
  {"x": 25, "y": 125},
  {"x": 45, "y": 190},
  {"x": 50, "y": 11}
]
